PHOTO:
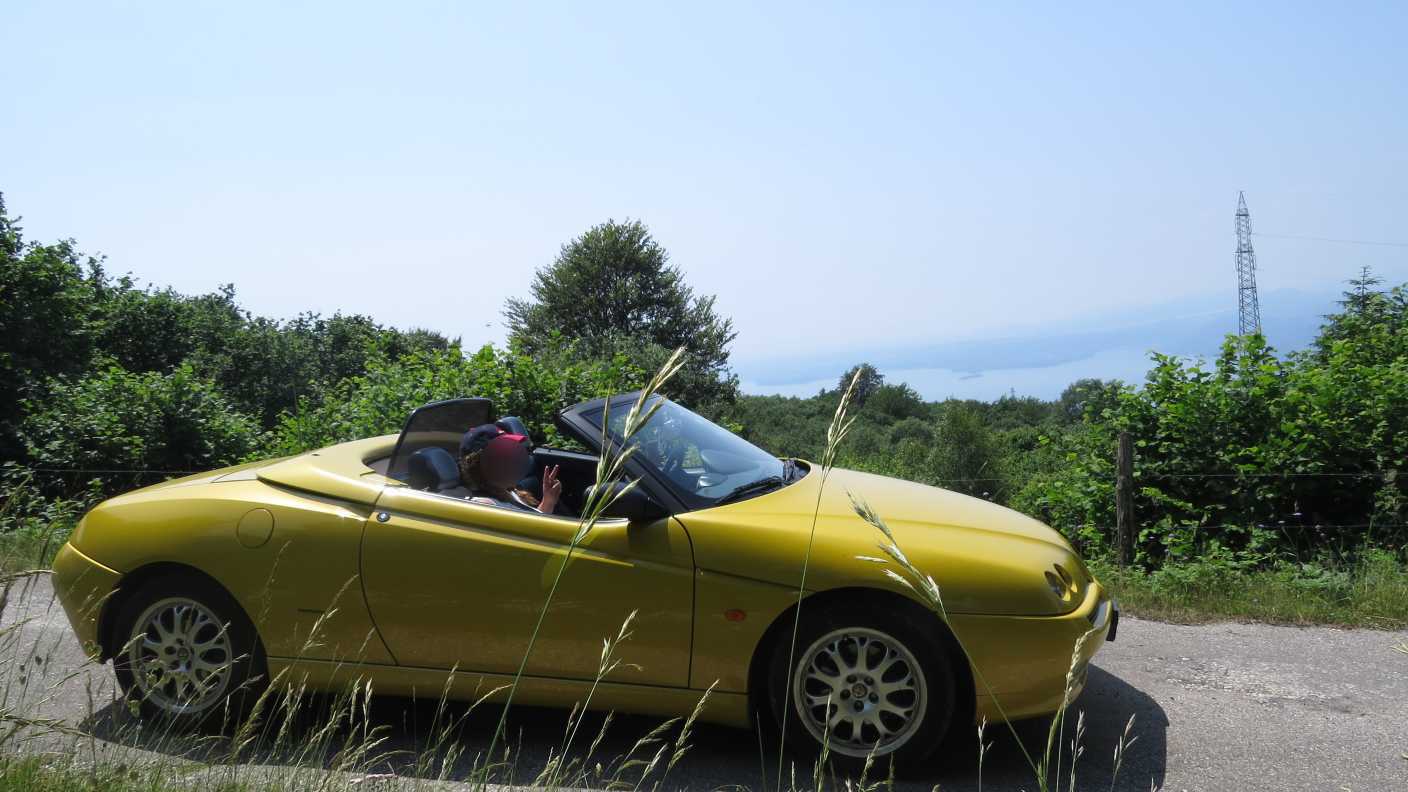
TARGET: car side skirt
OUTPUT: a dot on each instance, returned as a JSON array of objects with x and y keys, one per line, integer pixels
[{"x": 728, "y": 709}]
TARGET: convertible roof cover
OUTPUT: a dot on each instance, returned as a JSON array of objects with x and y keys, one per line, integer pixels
[{"x": 439, "y": 424}]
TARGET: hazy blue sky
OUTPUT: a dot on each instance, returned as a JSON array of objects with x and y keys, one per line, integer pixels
[{"x": 910, "y": 183}]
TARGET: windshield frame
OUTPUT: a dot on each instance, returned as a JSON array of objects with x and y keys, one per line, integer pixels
[{"x": 583, "y": 421}]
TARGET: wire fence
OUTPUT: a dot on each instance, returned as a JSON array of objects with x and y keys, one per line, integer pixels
[
  {"x": 1151, "y": 475},
  {"x": 1385, "y": 475},
  {"x": 107, "y": 470},
  {"x": 32, "y": 484},
  {"x": 1298, "y": 520}
]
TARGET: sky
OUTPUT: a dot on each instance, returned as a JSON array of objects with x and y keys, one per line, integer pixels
[{"x": 981, "y": 199}]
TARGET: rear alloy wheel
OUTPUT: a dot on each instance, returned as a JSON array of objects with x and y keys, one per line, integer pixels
[
  {"x": 865, "y": 683},
  {"x": 186, "y": 654}
]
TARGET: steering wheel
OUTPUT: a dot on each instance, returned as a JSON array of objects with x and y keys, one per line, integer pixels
[{"x": 671, "y": 458}]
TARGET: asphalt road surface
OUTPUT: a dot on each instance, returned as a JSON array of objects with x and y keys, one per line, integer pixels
[{"x": 1216, "y": 707}]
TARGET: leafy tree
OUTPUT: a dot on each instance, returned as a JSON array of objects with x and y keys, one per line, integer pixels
[
  {"x": 786, "y": 425},
  {"x": 266, "y": 366},
  {"x": 1361, "y": 292},
  {"x": 896, "y": 402},
  {"x": 1086, "y": 396},
  {"x": 46, "y": 293},
  {"x": 156, "y": 330},
  {"x": 1011, "y": 411},
  {"x": 613, "y": 291},
  {"x": 869, "y": 382},
  {"x": 912, "y": 428},
  {"x": 1374, "y": 323},
  {"x": 965, "y": 455}
]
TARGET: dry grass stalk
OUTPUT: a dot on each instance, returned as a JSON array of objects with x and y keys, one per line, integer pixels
[{"x": 839, "y": 427}]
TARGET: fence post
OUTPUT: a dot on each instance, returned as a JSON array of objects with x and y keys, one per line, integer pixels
[{"x": 1124, "y": 500}]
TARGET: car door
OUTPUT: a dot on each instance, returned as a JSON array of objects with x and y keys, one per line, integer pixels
[{"x": 456, "y": 584}]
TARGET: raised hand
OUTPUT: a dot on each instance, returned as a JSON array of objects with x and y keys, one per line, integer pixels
[{"x": 552, "y": 490}]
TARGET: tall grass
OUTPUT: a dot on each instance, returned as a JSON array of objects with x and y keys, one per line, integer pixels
[
  {"x": 32, "y": 526},
  {"x": 290, "y": 739},
  {"x": 1369, "y": 591}
]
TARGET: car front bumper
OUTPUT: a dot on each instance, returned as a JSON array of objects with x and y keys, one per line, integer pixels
[
  {"x": 83, "y": 587},
  {"x": 1026, "y": 666}
]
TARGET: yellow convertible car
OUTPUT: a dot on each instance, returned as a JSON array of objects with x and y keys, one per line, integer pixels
[{"x": 364, "y": 560}]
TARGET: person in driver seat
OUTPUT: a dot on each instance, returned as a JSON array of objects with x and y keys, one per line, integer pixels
[{"x": 493, "y": 461}]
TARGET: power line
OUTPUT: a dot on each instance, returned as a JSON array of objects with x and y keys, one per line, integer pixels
[
  {"x": 1259, "y": 475},
  {"x": 1241, "y": 526},
  {"x": 1332, "y": 239},
  {"x": 1138, "y": 474},
  {"x": 107, "y": 470}
]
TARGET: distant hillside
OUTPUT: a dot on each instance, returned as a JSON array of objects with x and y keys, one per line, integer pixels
[{"x": 1042, "y": 361}]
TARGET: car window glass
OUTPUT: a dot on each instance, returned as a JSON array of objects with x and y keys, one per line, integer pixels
[{"x": 700, "y": 460}]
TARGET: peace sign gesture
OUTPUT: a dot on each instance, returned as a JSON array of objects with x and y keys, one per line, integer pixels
[{"x": 552, "y": 490}]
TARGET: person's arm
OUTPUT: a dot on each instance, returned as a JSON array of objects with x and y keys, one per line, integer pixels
[{"x": 552, "y": 490}]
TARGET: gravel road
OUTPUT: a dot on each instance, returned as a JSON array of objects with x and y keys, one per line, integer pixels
[{"x": 1216, "y": 707}]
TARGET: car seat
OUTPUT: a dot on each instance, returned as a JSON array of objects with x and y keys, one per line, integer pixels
[{"x": 433, "y": 469}]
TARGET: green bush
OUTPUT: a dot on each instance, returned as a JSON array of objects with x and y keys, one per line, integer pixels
[
  {"x": 113, "y": 419},
  {"x": 1259, "y": 455}
]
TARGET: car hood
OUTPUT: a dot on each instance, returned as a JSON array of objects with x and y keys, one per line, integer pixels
[
  {"x": 906, "y": 502},
  {"x": 986, "y": 558}
]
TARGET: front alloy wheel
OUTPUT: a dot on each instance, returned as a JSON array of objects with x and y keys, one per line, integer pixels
[
  {"x": 181, "y": 656},
  {"x": 861, "y": 690},
  {"x": 188, "y": 651},
  {"x": 866, "y": 679}
]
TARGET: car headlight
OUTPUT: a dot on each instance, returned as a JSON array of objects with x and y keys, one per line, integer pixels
[{"x": 1062, "y": 583}]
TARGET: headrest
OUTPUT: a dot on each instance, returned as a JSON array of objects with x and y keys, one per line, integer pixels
[{"x": 432, "y": 469}]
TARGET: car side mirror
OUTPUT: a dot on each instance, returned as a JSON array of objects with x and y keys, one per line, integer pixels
[{"x": 632, "y": 504}]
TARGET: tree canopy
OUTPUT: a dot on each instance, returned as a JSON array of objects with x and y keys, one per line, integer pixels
[{"x": 612, "y": 290}]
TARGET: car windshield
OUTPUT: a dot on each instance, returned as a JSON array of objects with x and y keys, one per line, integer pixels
[{"x": 704, "y": 463}]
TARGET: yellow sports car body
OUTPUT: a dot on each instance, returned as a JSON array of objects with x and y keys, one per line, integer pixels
[{"x": 365, "y": 560}]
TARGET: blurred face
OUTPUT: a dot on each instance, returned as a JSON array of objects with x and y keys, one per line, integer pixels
[{"x": 505, "y": 465}]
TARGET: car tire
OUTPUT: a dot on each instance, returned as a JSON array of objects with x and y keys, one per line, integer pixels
[
  {"x": 187, "y": 655},
  {"x": 870, "y": 670}
]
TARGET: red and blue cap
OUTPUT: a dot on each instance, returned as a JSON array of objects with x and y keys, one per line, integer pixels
[{"x": 491, "y": 437}]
